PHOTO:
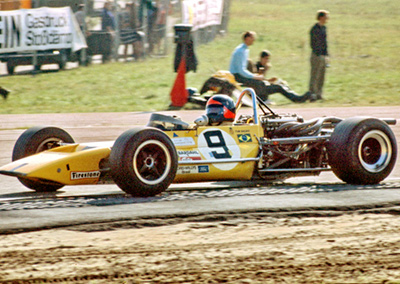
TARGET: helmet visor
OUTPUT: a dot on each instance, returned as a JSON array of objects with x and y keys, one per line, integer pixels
[{"x": 215, "y": 110}]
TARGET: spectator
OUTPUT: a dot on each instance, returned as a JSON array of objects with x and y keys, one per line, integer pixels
[
  {"x": 134, "y": 22},
  {"x": 151, "y": 19},
  {"x": 262, "y": 66},
  {"x": 108, "y": 26},
  {"x": 134, "y": 19},
  {"x": 107, "y": 19},
  {"x": 80, "y": 16},
  {"x": 128, "y": 33},
  {"x": 256, "y": 81},
  {"x": 161, "y": 22},
  {"x": 319, "y": 55}
]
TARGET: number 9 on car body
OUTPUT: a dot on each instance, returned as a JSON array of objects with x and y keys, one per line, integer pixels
[{"x": 215, "y": 144}]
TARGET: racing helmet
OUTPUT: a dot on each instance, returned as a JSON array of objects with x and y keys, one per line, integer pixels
[{"x": 220, "y": 108}]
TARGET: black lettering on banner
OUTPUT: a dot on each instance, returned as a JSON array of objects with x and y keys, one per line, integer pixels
[
  {"x": 10, "y": 28},
  {"x": 1, "y": 30},
  {"x": 15, "y": 30},
  {"x": 217, "y": 144},
  {"x": 29, "y": 20},
  {"x": 29, "y": 38},
  {"x": 6, "y": 30},
  {"x": 46, "y": 37}
]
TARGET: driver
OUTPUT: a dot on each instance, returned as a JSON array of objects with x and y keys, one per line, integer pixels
[{"x": 220, "y": 109}]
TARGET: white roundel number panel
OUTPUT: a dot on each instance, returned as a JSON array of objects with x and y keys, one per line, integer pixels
[{"x": 215, "y": 144}]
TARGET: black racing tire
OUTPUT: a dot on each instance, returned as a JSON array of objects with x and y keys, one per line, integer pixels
[
  {"x": 143, "y": 162},
  {"x": 362, "y": 150},
  {"x": 38, "y": 139}
]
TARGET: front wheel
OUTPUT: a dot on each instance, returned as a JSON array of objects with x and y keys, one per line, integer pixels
[
  {"x": 143, "y": 162},
  {"x": 362, "y": 150},
  {"x": 36, "y": 140}
]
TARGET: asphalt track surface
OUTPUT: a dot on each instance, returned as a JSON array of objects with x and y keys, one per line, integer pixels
[{"x": 24, "y": 210}]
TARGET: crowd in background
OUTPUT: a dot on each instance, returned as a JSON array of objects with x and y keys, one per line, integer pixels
[{"x": 140, "y": 24}]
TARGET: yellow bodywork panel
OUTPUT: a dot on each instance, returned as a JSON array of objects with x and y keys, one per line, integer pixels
[
  {"x": 205, "y": 153},
  {"x": 69, "y": 165},
  {"x": 216, "y": 153}
]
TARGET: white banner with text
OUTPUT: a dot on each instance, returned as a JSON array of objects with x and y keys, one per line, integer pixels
[
  {"x": 40, "y": 29},
  {"x": 202, "y": 13}
]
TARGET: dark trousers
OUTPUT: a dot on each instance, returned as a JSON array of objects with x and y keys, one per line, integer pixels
[{"x": 263, "y": 91}]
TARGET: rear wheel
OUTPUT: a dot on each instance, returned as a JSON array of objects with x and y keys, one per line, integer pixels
[
  {"x": 362, "y": 150},
  {"x": 35, "y": 140},
  {"x": 143, "y": 162}
]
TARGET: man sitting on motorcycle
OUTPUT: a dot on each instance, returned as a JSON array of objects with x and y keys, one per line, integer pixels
[{"x": 263, "y": 88}]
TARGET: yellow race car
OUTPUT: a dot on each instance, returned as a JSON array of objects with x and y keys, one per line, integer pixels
[{"x": 220, "y": 145}]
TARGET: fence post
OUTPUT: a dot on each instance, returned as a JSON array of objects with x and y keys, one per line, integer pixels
[
  {"x": 36, "y": 67},
  {"x": 83, "y": 52},
  {"x": 225, "y": 16},
  {"x": 117, "y": 31}
]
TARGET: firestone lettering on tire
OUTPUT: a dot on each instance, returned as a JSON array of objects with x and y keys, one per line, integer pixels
[{"x": 85, "y": 175}]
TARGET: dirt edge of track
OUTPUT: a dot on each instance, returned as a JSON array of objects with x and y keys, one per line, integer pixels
[
  {"x": 328, "y": 245},
  {"x": 207, "y": 217}
]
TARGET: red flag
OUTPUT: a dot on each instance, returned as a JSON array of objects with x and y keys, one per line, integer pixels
[{"x": 179, "y": 94}]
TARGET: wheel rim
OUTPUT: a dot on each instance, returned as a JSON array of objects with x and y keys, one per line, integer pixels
[
  {"x": 375, "y": 151},
  {"x": 152, "y": 162},
  {"x": 48, "y": 144}
]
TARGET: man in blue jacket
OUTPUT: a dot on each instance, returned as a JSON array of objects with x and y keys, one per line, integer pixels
[
  {"x": 238, "y": 67},
  {"x": 107, "y": 18}
]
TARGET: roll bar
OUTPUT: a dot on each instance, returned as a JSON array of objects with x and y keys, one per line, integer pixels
[
  {"x": 254, "y": 99},
  {"x": 253, "y": 95}
]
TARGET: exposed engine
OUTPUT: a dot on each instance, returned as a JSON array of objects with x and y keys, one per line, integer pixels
[
  {"x": 272, "y": 122},
  {"x": 292, "y": 145}
]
